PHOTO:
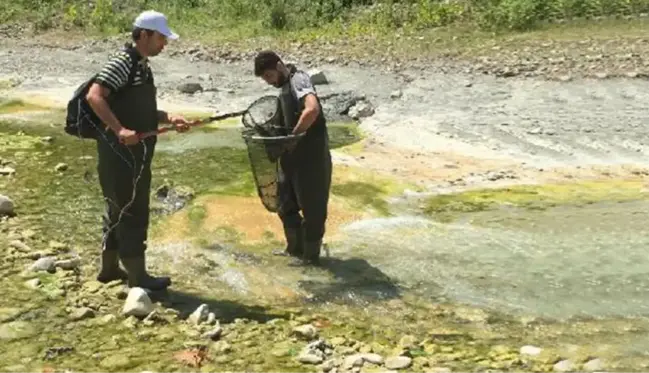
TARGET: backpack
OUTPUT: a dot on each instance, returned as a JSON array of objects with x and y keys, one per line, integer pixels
[{"x": 81, "y": 121}]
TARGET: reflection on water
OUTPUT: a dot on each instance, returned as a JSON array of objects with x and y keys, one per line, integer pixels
[{"x": 559, "y": 263}]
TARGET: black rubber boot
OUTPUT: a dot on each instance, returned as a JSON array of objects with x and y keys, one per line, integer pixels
[
  {"x": 311, "y": 255},
  {"x": 138, "y": 276},
  {"x": 294, "y": 244},
  {"x": 110, "y": 270}
]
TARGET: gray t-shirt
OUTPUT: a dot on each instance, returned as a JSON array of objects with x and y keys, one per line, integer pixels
[{"x": 300, "y": 85}]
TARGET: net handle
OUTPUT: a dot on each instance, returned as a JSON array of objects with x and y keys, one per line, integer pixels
[{"x": 213, "y": 118}]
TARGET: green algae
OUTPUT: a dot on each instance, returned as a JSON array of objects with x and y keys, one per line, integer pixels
[{"x": 534, "y": 197}]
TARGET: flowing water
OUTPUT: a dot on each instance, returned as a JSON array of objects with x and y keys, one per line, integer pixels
[{"x": 563, "y": 263}]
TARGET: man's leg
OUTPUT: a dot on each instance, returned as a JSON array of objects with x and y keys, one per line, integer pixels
[
  {"x": 289, "y": 213},
  {"x": 106, "y": 167},
  {"x": 133, "y": 228},
  {"x": 312, "y": 188},
  {"x": 110, "y": 270}
]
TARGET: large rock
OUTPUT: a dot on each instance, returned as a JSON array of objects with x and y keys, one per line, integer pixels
[{"x": 317, "y": 77}]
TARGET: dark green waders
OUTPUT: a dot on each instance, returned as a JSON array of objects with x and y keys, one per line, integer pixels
[
  {"x": 125, "y": 178},
  {"x": 304, "y": 186}
]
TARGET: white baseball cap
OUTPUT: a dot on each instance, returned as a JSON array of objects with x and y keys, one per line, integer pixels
[{"x": 156, "y": 21}]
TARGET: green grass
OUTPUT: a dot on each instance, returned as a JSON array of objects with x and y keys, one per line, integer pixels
[{"x": 413, "y": 26}]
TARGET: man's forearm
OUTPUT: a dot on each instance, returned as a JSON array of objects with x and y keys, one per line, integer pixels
[
  {"x": 101, "y": 108},
  {"x": 307, "y": 118}
]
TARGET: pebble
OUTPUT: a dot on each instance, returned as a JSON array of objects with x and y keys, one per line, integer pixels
[
  {"x": 60, "y": 167},
  {"x": 107, "y": 319},
  {"x": 137, "y": 303},
  {"x": 7, "y": 171},
  {"x": 68, "y": 264},
  {"x": 310, "y": 358},
  {"x": 82, "y": 313},
  {"x": 530, "y": 350},
  {"x": 190, "y": 88},
  {"x": 372, "y": 358},
  {"x": 33, "y": 283},
  {"x": 199, "y": 315},
  {"x": 214, "y": 334},
  {"x": 362, "y": 109},
  {"x": 593, "y": 365},
  {"x": 44, "y": 264},
  {"x": 398, "y": 362},
  {"x": 564, "y": 366},
  {"x": 6, "y": 205},
  {"x": 306, "y": 331},
  {"x": 353, "y": 361},
  {"x": 21, "y": 246}
]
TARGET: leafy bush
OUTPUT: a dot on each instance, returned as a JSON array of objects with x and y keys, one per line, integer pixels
[{"x": 214, "y": 15}]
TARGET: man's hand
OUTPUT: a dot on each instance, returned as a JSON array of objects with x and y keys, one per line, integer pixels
[
  {"x": 127, "y": 136},
  {"x": 180, "y": 123}
]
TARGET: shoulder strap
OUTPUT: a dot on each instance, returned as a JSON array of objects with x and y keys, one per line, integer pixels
[{"x": 134, "y": 58}]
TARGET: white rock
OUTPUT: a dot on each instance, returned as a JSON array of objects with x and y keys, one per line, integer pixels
[
  {"x": 564, "y": 366},
  {"x": 353, "y": 361},
  {"x": 373, "y": 358},
  {"x": 199, "y": 315},
  {"x": 317, "y": 77},
  {"x": 310, "y": 358},
  {"x": 7, "y": 171},
  {"x": 214, "y": 334},
  {"x": 594, "y": 365},
  {"x": 530, "y": 350},
  {"x": 46, "y": 263},
  {"x": 362, "y": 109},
  {"x": 306, "y": 331},
  {"x": 398, "y": 362},
  {"x": 33, "y": 283},
  {"x": 68, "y": 264},
  {"x": 137, "y": 303}
]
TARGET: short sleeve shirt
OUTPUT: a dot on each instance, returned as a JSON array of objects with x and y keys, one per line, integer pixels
[{"x": 300, "y": 85}]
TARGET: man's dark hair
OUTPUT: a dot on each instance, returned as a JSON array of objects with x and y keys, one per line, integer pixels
[
  {"x": 265, "y": 60},
  {"x": 135, "y": 34}
]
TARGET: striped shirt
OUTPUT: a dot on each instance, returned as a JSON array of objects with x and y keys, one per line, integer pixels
[{"x": 115, "y": 71}]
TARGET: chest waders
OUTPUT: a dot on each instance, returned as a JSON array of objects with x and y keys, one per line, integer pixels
[
  {"x": 304, "y": 183},
  {"x": 125, "y": 179}
]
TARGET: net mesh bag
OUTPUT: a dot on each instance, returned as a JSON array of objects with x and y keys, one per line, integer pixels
[{"x": 266, "y": 140}]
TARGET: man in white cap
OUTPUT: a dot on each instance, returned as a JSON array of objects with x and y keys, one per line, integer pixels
[{"x": 123, "y": 97}]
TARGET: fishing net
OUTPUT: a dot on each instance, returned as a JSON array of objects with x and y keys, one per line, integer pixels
[{"x": 266, "y": 140}]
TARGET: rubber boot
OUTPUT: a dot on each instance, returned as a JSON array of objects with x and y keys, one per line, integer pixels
[
  {"x": 110, "y": 270},
  {"x": 294, "y": 244},
  {"x": 311, "y": 255},
  {"x": 138, "y": 276}
]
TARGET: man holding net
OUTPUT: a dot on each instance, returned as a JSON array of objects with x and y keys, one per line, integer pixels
[
  {"x": 305, "y": 172},
  {"x": 123, "y": 96}
]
